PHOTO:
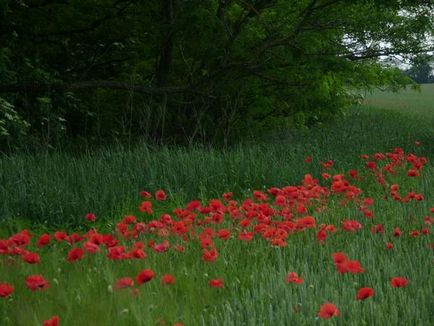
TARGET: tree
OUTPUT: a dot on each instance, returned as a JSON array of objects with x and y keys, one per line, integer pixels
[
  {"x": 212, "y": 70},
  {"x": 422, "y": 70}
]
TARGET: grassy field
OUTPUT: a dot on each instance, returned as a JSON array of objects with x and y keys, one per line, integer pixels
[{"x": 51, "y": 192}]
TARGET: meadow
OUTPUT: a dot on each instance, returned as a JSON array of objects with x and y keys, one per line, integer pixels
[{"x": 168, "y": 260}]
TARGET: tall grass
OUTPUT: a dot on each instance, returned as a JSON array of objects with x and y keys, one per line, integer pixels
[{"x": 58, "y": 189}]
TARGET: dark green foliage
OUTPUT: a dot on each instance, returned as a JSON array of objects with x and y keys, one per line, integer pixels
[
  {"x": 422, "y": 70},
  {"x": 182, "y": 71}
]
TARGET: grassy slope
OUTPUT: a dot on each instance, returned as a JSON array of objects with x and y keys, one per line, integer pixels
[{"x": 59, "y": 189}]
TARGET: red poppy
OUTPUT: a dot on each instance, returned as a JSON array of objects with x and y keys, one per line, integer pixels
[
  {"x": 53, "y": 321},
  {"x": 160, "y": 195},
  {"x": 168, "y": 279},
  {"x": 389, "y": 245},
  {"x": 325, "y": 176},
  {"x": 415, "y": 233},
  {"x": 145, "y": 276},
  {"x": 91, "y": 217},
  {"x": 353, "y": 266},
  {"x": 216, "y": 283},
  {"x": 137, "y": 253},
  {"x": 413, "y": 173},
  {"x": 399, "y": 282},
  {"x": 210, "y": 255},
  {"x": 75, "y": 254},
  {"x": 31, "y": 257},
  {"x": 339, "y": 257},
  {"x": 145, "y": 194},
  {"x": 245, "y": 236},
  {"x": 365, "y": 293},
  {"x": 116, "y": 253},
  {"x": 6, "y": 290},
  {"x": 146, "y": 207},
  {"x": 292, "y": 277},
  {"x": 227, "y": 196},
  {"x": 321, "y": 235},
  {"x": 397, "y": 232},
  {"x": 36, "y": 282},
  {"x": 224, "y": 234},
  {"x": 124, "y": 282},
  {"x": 60, "y": 236},
  {"x": 90, "y": 247},
  {"x": 308, "y": 159},
  {"x": 328, "y": 310},
  {"x": 161, "y": 247},
  {"x": 351, "y": 226},
  {"x": 328, "y": 164},
  {"x": 43, "y": 240}
]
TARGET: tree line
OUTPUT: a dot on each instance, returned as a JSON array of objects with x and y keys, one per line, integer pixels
[{"x": 177, "y": 71}]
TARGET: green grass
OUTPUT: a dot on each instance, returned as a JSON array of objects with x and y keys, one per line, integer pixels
[
  {"x": 51, "y": 191},
  {"x": 58, "y": 189},
  {"x": 414, "y": 102}
]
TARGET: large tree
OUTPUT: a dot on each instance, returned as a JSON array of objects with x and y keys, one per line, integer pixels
[{"x": 196, "y": 69}]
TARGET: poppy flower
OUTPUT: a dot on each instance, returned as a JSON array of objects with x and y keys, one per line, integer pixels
[
  {"x": 6, "y": 290},
  {"x": 60, "y": 236},
  {"x": 160, "y": 195},
  {"x": 36, "y": 282},
  {"x": 397, "y": 232},
  {"x": 339, "y": 257},
  {"x": 321, "y": 235},
  {"x": 75, "y": 254},
  {"x": 116, "y": 253},
  {"x": 145, "y": 194},
  {"x": 325, "y": 176},
  {"x": 328, "y": 164},
  {"x": 161, "y": 247},
  {"x": 168, "y": 279},
  {"x": 308, "y": 159},
  {"x": 399, "y": 282},
  {"x": 365, "y": 293},
  {"x": 389, "y": 245},
  {"x": 224, "y": 234},
  {"x": 31, "y": 257},
  {"x": 354, "y": 267},
  {"x": 145, "y": 276},
  {"x": 413, "y": 173},
  {"x": 210, "y": 255},
  {"x": 328, "y": 310},
  {"x": 216, "y": 283},
  {"x": 245, "y": 236},
  {"x": 91, "y": 217},
  {"x": 227, "y": 196},
  {"x": 351, "y": 226},
  {"x": 137, "y": 253},
  {"x": 43, "y": 240},
  {"x": 292, "y": 277},
  {"x": 124, "y": 282},
  {"x": 53, "y": 321},
  {"x": 415, "y": 233},
  {"x": 90, "y": 247},
  {"x": 146, "y": 207}
]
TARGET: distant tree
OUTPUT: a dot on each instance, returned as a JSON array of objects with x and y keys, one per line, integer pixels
[
  {"x": 212, "y": 70},
  {"x": 422, "y": 70}
]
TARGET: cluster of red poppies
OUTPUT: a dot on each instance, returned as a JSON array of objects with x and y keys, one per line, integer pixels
[{"x": 271, "y": 216}]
